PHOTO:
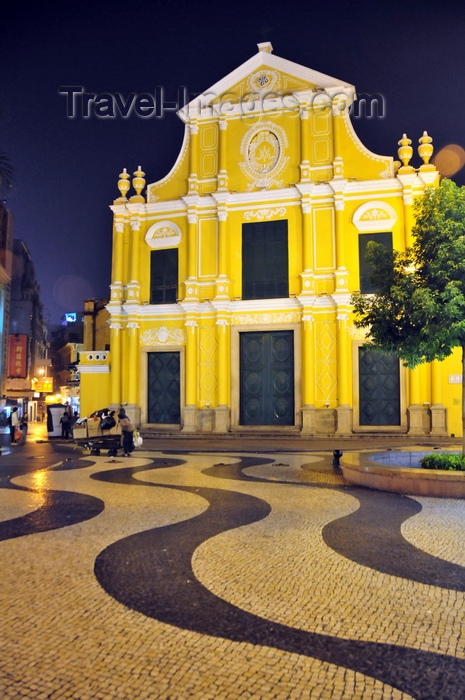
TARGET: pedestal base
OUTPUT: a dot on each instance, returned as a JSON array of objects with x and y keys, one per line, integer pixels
[
  {"x": 190, "y": 419},
  {"x": 438, "y": 419},
  {"x": 206, "y": 420},
  {"x": 344, "y": 420},
  {"x": 417, "y": 416},
  {"x": 308, "y": 420},
  {"x": 222, "y": 419}
]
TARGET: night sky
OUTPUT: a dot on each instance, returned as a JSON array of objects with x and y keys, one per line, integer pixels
[{"x": 66, "y": 169}]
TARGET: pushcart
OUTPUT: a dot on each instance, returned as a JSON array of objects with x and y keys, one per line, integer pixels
[{"x": 88, "y": 433}]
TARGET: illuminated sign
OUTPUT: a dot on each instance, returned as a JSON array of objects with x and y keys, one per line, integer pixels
[
  {"x": 44, "y": 385},
  {"x": 17, "y": 356},
  {"x": 70, "y": 318}
]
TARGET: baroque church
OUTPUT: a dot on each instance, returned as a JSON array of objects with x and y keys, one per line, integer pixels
[{"x": 231, "y": 282}]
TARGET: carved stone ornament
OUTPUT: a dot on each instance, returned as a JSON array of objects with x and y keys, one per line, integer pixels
[
  {"x": 264, "y": 80},
  {"x": 263, "y": 150},
  {"x": 163, "y": 336},
  {"x": 264, "y": 214},
  {"x": 385, "y": 173},
  {"x": 163, "y": 234},
  {"x": 374, "y": 213},
  {"x": 374, "y": 216},
  {"x": 253, "y": 320}
]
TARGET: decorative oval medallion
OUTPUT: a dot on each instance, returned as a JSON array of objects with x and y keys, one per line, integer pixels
[
  {"x": 264, "y": 151},
  {"x": 263, "y": 148}
]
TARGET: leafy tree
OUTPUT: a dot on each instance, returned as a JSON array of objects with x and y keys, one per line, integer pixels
[{"x": 418, "y": 311}]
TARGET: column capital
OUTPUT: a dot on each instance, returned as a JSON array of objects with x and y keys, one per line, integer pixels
[
  {"x": 307, "y": 283},
  {"x": 407, "y": 179},
  {"x": 306, "y": 207},
  {"x": 407, "y": 198},
  {"x": 341, "y": 278},
  {"x": 116, "y": 293}
]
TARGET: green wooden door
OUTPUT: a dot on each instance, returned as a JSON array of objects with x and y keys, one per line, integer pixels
[
  {"x": 163, "y": 383},
  {"x": 379, "y": 385},
  {"x": 267, "y": 378}
]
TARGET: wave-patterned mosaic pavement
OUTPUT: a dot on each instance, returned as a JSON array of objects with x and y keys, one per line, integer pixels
[{"x": 226, "y": 576}]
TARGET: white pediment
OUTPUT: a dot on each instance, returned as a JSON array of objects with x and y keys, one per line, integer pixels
[{"x": 265, "y": 73}]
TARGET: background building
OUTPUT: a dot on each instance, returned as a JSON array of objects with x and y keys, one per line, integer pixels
[
  {"x": 96, "y": 324},
  {"x": 28, "y": 379},
  {"x": 66, "y": 343},
  {"x": 6, "y": 243},
  {"x": 87, "y": 330},
  {"x": 230, "y": 305}
]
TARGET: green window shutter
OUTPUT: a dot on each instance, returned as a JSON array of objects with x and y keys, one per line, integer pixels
[
  {"x": 385, "y": 239},
  {"x": 265, "y": 260},
  {"x": 164, "y": 276}
]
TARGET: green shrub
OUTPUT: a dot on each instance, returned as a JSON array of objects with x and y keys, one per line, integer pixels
[{"x": 449, "y": 462}]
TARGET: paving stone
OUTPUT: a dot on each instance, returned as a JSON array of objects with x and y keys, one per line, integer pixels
[{"x": 64, "y": 635}]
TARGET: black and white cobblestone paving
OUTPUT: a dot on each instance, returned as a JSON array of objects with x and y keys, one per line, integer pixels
[{"x": 225, "y": 576}]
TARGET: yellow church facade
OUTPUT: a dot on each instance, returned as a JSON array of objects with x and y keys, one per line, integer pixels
[{"x": 232, "y": 276}]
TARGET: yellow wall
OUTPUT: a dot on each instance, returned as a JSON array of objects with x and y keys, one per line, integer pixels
[
  {"x": 285, "y": 159},
  {"x": 94, "y": 381}
]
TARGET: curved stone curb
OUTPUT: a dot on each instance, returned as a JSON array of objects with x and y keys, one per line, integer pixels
[{"x": 360, "y": 469}]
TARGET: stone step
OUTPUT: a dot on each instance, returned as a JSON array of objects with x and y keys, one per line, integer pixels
[{"x": 152, "y": 433}]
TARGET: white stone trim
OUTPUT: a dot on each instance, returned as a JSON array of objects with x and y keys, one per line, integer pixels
[
  {"x": 264, "y": 214},
  {"x": 173, "y": 207},
  {"x": 163, "y": 234},
  {"x": 151, "y": 196},
  {"x": 375, "y": 215},
  {"x": 363, "y": 186},
  {"x": 277, "y": 318},
  {"x": 94, "y": 369},
  {"x": 167, "y": 312},
  {"x": 250, "y": 305},
  {"x": 270, "y": 62},
  {"x": 154, "y": 337},
  {"x": 387, "y": 161}
]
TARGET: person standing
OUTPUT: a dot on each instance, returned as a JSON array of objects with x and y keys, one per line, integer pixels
[
  {"x": 23, "y": 426},
  {"x": 127, "y": 431},
  {"x": 14, "y": 424},
  {"x": 65, "y": 425}
]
